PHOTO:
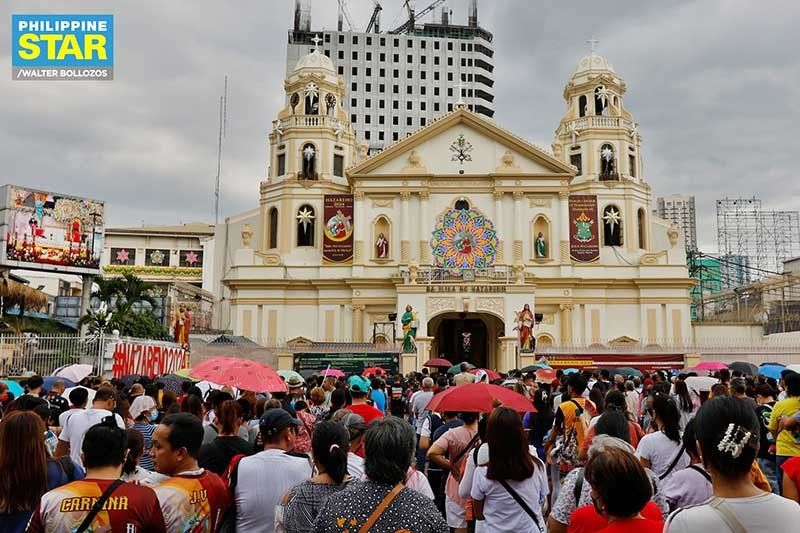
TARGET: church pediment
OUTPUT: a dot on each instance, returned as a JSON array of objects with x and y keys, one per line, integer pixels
[{"x": 462, "y": 143}]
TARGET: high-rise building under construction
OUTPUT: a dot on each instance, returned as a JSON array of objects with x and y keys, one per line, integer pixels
[{"x": 400, "y": 80}]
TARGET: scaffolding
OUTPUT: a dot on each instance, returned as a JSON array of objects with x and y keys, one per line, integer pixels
[{"x": 753, "y": 242}]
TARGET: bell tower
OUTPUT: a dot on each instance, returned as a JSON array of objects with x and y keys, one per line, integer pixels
[
  {"x": 597, "y": 134},
  {"x": 312, "y": 138}
]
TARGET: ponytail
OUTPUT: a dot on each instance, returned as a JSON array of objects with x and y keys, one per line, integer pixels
[
  {"x": 330, "y": 445},
  {"x": 135, "y": 445}
]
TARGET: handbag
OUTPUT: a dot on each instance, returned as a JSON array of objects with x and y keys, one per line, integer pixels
[
  {"x": 381, "y": 508},
  {"x": 521, "y": 503},
  {"x": 98, "y": 506},
  {"x": 663, "y": 476}
]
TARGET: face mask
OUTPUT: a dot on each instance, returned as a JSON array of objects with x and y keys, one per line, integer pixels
[{"x": 153, "y": 416}]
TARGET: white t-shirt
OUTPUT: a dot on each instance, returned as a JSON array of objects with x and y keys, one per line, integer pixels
[
  {"x": 765, "y": 513},
  {"x": 660, "y": 451},
  {"x": 501, "y": 510},
  {"x": 263, "y": 479},
  {"x": 355, "y": 466},
  {"x": 79, "y": 424},
  {"x": 66, "y": 415}
]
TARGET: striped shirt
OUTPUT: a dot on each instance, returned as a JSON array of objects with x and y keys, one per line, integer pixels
[{"x": 146, "y": 461}]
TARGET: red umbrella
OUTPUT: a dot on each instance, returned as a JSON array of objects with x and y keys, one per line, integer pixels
[
  {"x": 545, "y": 376},
  {"x": 243, "y": 374},
  {"x": 478, "y": 398},
  {"x": 438, "y": 363},
  {"x": 374, "y": 371},
  {"x": 491, "y": 373},
  {"x": 332, "y": 372},
  {"x": 710, "y": 365}
]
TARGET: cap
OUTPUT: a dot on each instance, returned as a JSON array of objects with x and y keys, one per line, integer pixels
[
  {"x": 294, "y": 382},
  {"x": 273, "y": 421},
  {"x": 141, "y": 404},
  {"x": 358, "y": 384},
  {"x": 137, "y": 389}
]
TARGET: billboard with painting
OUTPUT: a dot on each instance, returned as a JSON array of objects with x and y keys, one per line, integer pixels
[{"x": 50, "y": 231}]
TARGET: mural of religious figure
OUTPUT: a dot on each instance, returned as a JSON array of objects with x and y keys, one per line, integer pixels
[
  {"x": 525, "y": 321},
  {"x": 541, "y": 246},
  {"x": 182, "y": 326},
  {"x": 382, "y": 247},
  {"x": 410, "y": 325},
  {"x": 466, "y": 342}
]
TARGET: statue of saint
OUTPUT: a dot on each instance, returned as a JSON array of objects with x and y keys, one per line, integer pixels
[
  {"x": 382, "y": 247},
  {"x": 182, "y": 325},
  {"x": 541, "y": 246},
  {"x": 525, "y": 321},
  {"x": 410, "y": 325}
]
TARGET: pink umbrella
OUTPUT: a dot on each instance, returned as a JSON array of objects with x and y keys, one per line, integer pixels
[
  {"x": 710, "y": 366},
  {"x": 332, "y": 372},
  {"x": 243, "y": 374}
]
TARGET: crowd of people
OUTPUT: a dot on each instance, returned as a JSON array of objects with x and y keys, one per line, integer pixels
[{"x": 595, "y": 452}]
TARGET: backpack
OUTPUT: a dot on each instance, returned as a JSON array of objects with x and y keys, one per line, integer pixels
[
  {"x": 435, "y": 422},
  {"x": 573, "y": 437},
  {"x": 230, "y": 478}
]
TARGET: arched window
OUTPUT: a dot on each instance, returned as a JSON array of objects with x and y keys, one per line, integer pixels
[
  {"x": 601, "y": 100},
  {"x": 330, "y": 104},
  {"x": 273, "y": 228},
  {"x": 582, "y": 109},
  {"x": 308, "y": 157},
  {"x": 608, "y": 163},
  {"x": 640, "y": 219},
  {"x": 305, "y": 225},
  {"x": 312, "y": 99},
  {"x": 462, "y": 205},
  {"x": 612, "y": 226}
]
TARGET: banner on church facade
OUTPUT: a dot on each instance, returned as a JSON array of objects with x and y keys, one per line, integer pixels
[
  {"x": 584, "y": 240},
  {"x": 337, "y": 241}
]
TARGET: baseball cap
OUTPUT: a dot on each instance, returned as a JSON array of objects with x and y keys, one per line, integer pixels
[
  {"x": 275, "y": 420},
  {"x": 358, "y": 383}
]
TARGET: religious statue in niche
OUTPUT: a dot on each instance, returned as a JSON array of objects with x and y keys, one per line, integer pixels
[
  {"x": 410, "y": 325},
  {"x": 466, "y": 342},
  {"x": 293, "y": 101},
  {"x": 541, "y": 246},
  {"x": 382, "y": 247},
  {"x": 525, "y": 322}
]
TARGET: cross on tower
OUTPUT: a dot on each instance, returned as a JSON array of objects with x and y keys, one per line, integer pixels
[
  {"x": 592, "y": 43},
  {"x": 316, "y": 40}
]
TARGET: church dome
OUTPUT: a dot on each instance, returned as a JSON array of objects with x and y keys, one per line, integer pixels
[
  {"x": 593, "y": 62},
  {"x": 315, "y": 60}
]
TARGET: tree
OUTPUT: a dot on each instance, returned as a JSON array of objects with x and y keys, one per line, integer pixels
[{"x": 119, "y": 298}]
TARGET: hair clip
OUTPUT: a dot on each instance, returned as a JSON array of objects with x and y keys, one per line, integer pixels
[{"x": 734, "y": 440}]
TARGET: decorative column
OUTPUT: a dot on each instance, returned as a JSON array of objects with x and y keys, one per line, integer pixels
[
  {"x": 498, "y": 225},
  {"x": 424, "y": 229},
  {"x": 358, "y": 322},
  {"x": 518, "y": 226},
  {"x": 358, "y": 245},
  {"x": 566, "y": 324},
  {"x": 405, "y": 229},
  {"x": 563, "y": 197}
]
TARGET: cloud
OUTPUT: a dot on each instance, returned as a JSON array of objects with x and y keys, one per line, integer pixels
[{"x": 711, "y": 82}]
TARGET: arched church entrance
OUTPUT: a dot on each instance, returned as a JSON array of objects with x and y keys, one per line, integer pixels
[{"x": 472, "y": 337}]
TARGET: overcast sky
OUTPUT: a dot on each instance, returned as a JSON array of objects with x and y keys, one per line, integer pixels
[{"x": 712, "y": 83}]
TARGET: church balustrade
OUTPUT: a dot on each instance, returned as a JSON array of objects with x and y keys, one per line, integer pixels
[
  {"x": 313, "y": 121},
  {"x": 436, "y": 276},
  {"x": 595, "y": 122}
]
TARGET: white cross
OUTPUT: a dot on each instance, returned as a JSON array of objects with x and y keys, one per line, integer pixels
[
  {"x": 593, "y": 43},
  {"x": 316, "y": 40}
]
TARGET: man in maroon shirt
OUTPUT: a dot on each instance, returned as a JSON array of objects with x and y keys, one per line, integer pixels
[
  {"x": 193, "y": 500},
  {"x": 128, "y": 508},
  {"x": 359, "y": 388}
]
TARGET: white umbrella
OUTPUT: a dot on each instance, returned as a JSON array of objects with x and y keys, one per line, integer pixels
[
  {"x": 92, "y": 392},
  {"x": 795, "y": 368},
  {"x": 75, "y": 373},
  {"x": 701, "y": 383}
]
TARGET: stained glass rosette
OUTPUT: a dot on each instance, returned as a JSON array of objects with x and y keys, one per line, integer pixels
[{"x": 464, "y": 239}]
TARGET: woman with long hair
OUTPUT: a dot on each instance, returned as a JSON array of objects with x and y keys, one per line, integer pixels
[
  {"x": 509, "y": 490},
  {"x": 194, "y": 405},
  {"x": 216, "y": 455},
  {"x": 329, "y": 444},
  {"x": 131, "y": 471},
  {"x": 727, "y": 431},
  {"x": 686, "y": 405},
  {"x": 26, "y": 471},
  {"x": 662, "y": 451}
]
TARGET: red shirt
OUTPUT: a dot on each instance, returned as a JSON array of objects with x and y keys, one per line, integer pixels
[
  {"x": 130, "y": 508},
  {"x": 586, "y": 520},
  {"x": 366, "y": 411},
  {"x": 193, "y": 502}
]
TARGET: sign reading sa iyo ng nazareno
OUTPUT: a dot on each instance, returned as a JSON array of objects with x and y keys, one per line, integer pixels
[{"x": 62, "y": 47}]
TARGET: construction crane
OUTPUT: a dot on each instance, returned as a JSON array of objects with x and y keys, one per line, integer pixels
[
  {"x": 375, "y": 20},
  {"x": 412, "y": 17},
  {"x": 346, "y": 12}
]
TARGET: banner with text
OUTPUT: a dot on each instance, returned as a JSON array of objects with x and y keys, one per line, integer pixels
[
  {"x": 129, "y": 357},
  {"x": 337, "y": 242},
  {"x": 584, "y": 240}
]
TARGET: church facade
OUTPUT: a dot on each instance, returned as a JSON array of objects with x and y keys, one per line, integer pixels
[{"x": 495, "y": 246}]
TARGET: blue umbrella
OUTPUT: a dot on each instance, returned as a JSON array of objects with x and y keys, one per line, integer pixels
[
  {"x": 13, "y": 387},
  {"x": 571, "y": 370},
  {"x": 50, "y": 380},
  {"x": 771, "y": 371}
]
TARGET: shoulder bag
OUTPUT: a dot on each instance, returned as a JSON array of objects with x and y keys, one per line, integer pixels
[
  {"x": 672, "y": 466},
  {"x": 521, "y": 503},
  {"x": 381, "y": 508},
  {"x": 727, "y": 516}
]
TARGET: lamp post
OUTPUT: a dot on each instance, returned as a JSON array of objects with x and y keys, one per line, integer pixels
[{"x": 95, "y": 215}]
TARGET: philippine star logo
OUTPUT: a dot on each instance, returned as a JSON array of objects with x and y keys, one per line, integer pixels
[{"x": 62, "y": 47}]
